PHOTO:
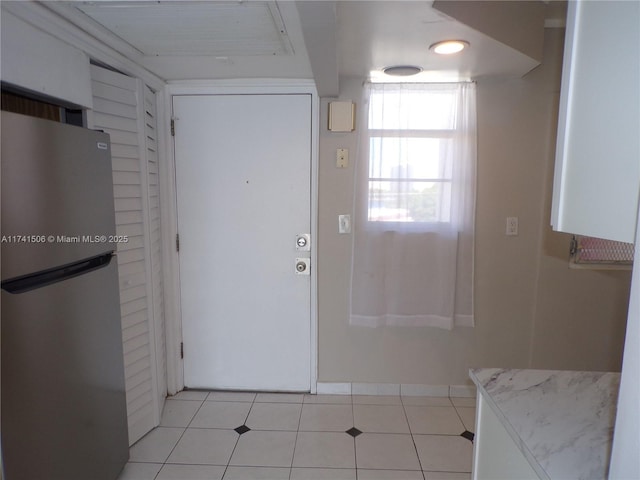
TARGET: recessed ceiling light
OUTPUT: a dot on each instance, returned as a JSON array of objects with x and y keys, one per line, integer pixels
[
  {"x": 402, "y": 70},
  {"x": 448, "y": 47}
]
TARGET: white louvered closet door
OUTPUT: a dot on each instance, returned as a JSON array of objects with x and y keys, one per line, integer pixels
[
  {"x": 155, "y": 243},
  {"x": 125, "y": 108}
]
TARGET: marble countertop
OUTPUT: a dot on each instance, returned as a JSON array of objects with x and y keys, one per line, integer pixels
[{"x": 561, "y": 421}]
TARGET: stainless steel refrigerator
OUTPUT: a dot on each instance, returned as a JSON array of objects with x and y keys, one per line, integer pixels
[{"x": 63, "y": 413}]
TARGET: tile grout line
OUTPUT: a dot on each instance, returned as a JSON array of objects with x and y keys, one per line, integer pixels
[
  {"x": 455, "y": 409},
  {"x": 461, "y": 420},
  {"x": 253, "y": 402},
  {"x": 182, "y": 435},
  {"x": 413, "y": 440},
  {"x": 355, "y": 451},
  {"x": 295, "y": 444}
]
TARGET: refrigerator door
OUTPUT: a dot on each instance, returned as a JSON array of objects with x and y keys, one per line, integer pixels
[
  {"x": 57, "y": 194},
  {"x": 63, "y": 396},
  {"x": 43, "y": 278}
]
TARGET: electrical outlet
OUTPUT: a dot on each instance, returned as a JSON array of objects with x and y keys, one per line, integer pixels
[
  {"x": 342, "y": 158},
  {"x": 512, "y": 226}
]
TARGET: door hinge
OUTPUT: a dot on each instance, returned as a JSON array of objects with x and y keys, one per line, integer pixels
[
  {"x": 173, "y": 127},
  {"x": 177, "y": 242},
  {"x": 181, "y": 350}
]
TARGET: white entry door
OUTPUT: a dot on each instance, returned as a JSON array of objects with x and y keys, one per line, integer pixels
[{"x": 243, "y": 176}]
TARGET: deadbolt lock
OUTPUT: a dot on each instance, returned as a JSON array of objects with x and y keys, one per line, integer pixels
[{"x": 303, "y": 242}]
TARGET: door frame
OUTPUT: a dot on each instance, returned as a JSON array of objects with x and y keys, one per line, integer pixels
[{"x": 175, "y": 364}]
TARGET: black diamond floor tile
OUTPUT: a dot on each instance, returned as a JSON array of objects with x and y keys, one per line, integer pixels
[
  {"x": 242, "y": 429},
  {"x": 468, "y": 435},
  {"x": 354, "y": 432}
]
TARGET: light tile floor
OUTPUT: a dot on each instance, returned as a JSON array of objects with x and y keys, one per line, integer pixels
[{"x": 306, "y": 437}]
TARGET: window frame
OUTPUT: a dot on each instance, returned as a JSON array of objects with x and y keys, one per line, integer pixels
[{"x": 440, "y": 134}]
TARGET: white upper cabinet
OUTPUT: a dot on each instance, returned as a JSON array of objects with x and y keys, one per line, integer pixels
[{"x": 597, "y": 172}]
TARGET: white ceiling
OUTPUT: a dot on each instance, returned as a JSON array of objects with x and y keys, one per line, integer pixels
[
  {"x": 321, "y": 39},
  {"x": 374, "y": 34}
]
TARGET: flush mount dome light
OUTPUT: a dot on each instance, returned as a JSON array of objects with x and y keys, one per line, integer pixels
[
  {"x": 402, "y": 70},
  {"x": 448, "y": 47}
]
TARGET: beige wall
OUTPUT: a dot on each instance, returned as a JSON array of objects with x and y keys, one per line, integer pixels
[{"x": 530, "y": 309}]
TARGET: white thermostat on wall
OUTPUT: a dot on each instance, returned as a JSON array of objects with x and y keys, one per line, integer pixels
[{"x": 342, "y": 116}]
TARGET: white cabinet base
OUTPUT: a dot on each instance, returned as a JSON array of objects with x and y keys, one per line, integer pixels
[{"x": 495, "y": 454}]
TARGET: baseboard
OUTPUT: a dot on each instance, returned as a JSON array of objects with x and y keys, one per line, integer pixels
[
  {"x": 413, "y": 390},
  {"x": 324, "y": 388},
  {"x": 375, "y": 388},
  {"x": 467, "y": 391}
]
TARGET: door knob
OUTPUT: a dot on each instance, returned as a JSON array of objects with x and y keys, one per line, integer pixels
[{"x": 302, "y": 266}]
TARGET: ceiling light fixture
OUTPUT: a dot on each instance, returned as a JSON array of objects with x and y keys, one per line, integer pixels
[
  {"x": 448, "y": 47},
  {"x": 402, "y": 70}
]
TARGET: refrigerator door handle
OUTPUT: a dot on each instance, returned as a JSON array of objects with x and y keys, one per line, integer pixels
[{"x": 43, "y": 278}]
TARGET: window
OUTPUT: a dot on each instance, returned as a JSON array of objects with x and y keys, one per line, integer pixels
[
  {"x": 412, "y": 262},
  {"x": 411, "y": 131}
]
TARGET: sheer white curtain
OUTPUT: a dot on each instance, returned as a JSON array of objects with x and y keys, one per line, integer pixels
[{"x": 415, "y": 206}]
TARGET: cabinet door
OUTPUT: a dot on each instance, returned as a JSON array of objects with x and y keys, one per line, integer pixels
[{"x": 597, "y": 176}]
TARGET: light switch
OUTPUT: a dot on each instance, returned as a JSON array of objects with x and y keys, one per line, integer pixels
[
  {"x": 344, "y": 223},
  {"x": 342, "y": 158}
]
